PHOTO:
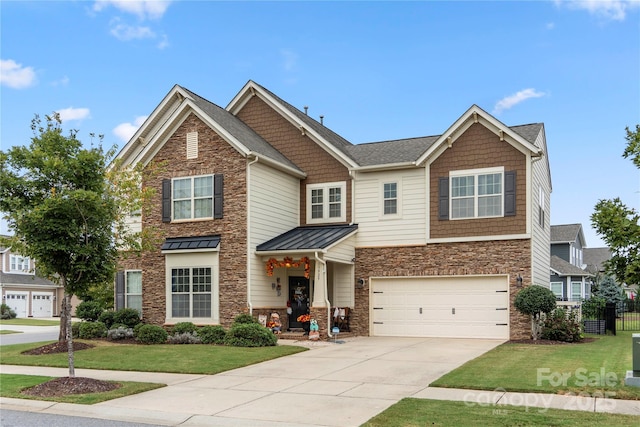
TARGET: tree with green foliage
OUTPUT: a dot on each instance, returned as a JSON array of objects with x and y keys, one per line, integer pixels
[
  {"x": 67, "y": 210},
  {"x": 535, "y": 300},
  {"x": 618, "y": 225},
  {"x": 611, "y": 292}
]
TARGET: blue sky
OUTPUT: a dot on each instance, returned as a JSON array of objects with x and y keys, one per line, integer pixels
[{"x": 375, "y": 70}]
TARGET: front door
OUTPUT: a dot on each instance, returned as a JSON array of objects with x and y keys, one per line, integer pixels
[{"x": 299, "y": 299}]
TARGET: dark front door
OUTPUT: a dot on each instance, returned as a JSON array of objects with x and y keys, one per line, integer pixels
[{"x": 299, "y": 299}]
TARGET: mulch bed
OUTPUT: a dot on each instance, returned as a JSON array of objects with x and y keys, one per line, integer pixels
[
  {"x": 70, "y": 385},
  {"x": 57, "y": 347}
]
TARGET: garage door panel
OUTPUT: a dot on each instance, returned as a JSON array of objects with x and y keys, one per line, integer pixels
[{"x": 441, "y": 307}]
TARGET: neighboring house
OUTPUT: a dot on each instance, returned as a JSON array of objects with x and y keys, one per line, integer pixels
[
  {"x": 262, "y": 208},
  {"x": 595, "y": 259},
  {"x": 570, "y": 281},
  {"x": 23, "y": 291}
]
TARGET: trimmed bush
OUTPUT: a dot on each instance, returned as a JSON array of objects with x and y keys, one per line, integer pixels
[
  {"x": 185, "y": 338},
  {"x": 184, "y": 328},
  {"x": 212, "y": 334},
  {"x": 137, "y": 328},
  {"x": 535, "y": 300},
  {"x": 245, "y": 318},
  {"x": 91, "y": 330},
  {"x": 119, "y": 333},
  {"x": 75, "y": 329},
  {"x": 562, "y": 326},
  {"x": 593, "y": 307},
  {"x": 127, "y": 316},
  {"x": 107, "y": 318},
  {"x": 6, "y": 312},
  {"x": 151, "y": 334},
  {"x": 250, "y": 335},
  {"x": 89, "y": 311}
]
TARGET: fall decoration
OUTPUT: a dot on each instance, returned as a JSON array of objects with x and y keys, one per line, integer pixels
[{"x": 288, "y": 262}]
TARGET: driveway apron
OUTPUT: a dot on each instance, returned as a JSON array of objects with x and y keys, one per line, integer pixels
[{"x": 333, "y": 384}]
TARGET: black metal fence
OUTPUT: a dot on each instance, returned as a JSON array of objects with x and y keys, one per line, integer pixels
[
  {"x": 629, "y": 318},
  {"x": 622, "y": 317}
]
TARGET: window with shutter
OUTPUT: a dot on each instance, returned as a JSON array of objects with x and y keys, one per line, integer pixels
[{"x": 197, "y": 197}]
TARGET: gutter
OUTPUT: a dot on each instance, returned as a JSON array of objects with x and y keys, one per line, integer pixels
[{"x": 326, "y": 300}]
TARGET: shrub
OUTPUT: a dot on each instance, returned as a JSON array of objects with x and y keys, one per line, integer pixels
[
  {"x": 151, "y": 334},
  {"x": 592, "y": 307},
  {"x": 212, "y": 334},
  {"x": 127, "y": 316},
  {"x": 245, "y": 318},
  {"x": 535, "y": 300},
  {"x": 562, "y": 326},
  {"x": 250, "y": 335},
  {"x": 6, "y": 312},
  {"x": 89, "y": 311},
  {"x": 90, "y": 330},
  {"x": 119, "y": 333},
  {"x": 184, "y": 328},
  {"x": 75, "y": 329},
  {"x": 137, "y": 328},
  {"x": 107, "y": 318},
  {"x": 185, "y": 338}
]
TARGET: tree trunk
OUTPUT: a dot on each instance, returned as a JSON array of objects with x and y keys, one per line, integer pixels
[
  {"x": 62, "y": 335},
  {"x": 68, "y": 334}
]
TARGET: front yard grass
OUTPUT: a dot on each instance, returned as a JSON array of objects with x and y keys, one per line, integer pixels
[
  {"x": 29, "y": 322},
  {"x": 422, "y": 412},
  {"x": 174, "y": 358},
  {"x": 595, "y": 368},
  {"x": 12, "y": 384}
]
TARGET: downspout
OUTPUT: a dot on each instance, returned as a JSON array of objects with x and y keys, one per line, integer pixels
[
  {"x": 353, "y": 197},
  {"x": 326, "y": 300},
  {"x": 249, "y": 304}
]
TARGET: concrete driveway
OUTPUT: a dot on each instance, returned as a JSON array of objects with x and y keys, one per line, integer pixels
[{"x": 330, "y": 385}]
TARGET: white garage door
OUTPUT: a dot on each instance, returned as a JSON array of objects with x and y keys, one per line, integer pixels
[
  {"x": 458, "y": 307},
  {"x": 18, "y": 303},
  {"x": 42, "y": 304}
]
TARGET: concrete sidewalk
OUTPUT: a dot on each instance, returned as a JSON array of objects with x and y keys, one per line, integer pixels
[{"x": 331, "y": 385}]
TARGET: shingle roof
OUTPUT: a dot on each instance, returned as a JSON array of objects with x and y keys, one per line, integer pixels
[
  {"x": 239, "y": 130},
  {"x": 191, "y": 243},
  {"x": 529, "y": 132},
  {"x": 565, "y": 233},
  {"x": 595, "y": 258},
  {"x": 389, "y": 152},
  {"x": 563, "y": 268},
  {"x": 24, "y": 279},
  {"x": 308, "y": 238}
]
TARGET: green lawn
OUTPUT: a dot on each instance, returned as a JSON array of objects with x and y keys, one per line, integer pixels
[
  {"x": 29, "y": 322},
  {"x": 593, "y": 367},
  {"x": 7, "y": 331},
  {"x": 421, "y": 412},
  {"x": 11, "y": 385}
]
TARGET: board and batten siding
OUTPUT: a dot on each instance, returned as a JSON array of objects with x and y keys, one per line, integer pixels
[
  {"x": 274, "y": 202},
  {"x": 406, "y": 228},
  {"x": 343, "y": 283},
  {"x": 540, "y": 235}
]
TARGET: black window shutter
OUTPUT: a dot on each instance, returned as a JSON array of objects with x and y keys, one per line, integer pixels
[
  {"x": 166, "y": 200},
  {"x": 217, "y": 195},
  {"x": 119, "y": 290},
  {"x": 443, "y": 198},
  {"x": 510, "y": 193}
]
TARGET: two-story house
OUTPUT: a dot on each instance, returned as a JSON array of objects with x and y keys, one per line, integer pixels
[
  {"x": 262, "y": 208},
  {"x": 570, "y": 279},
  {"x": 27, "y": 294}
]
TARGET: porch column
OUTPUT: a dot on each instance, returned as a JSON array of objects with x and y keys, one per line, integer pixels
[{"x": 320, "y": 284}]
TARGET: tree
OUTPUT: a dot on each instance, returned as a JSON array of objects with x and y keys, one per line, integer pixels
[
  {"x": 535, "y": 300},
  {"x": 611, "y": 292},
  {"x": 618, "y": 225},
  {"x": 66, "y": 208}
]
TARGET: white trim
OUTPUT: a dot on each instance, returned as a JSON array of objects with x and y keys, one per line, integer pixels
[
  {"x": 561, "y": 289},
  {"x": 476, "y": 173},
  {"x": 398, "y": 199},
  {"x": 479, "y": 238},
  {"x": 326, "y": 187},
  {"x": 192, "y": 197}
]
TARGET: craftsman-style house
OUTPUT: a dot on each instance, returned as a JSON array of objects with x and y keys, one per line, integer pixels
[
  {"x": 263, "y": 209},
  {"x": 570, "y": 279}
]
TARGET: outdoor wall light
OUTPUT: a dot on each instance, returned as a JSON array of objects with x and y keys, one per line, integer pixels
[
  {"x": 519, "y": 280},
  {"x": 360, "y": 283}
]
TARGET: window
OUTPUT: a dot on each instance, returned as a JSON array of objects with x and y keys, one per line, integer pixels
[
  {"x": 476, "y": 194},
  {"x": 325, "y": 202},
  {"x": 556, "y": 288},
  {"x": 576, "y": 291},
  {"x": 191, "y": 292},
  {"x": 390, "y": 198},
  {"x": 133, "y": 290},
  {"x": 540, "y": 207},
  {"x": 20, "y": 263},
  {"x": 193, "y": 197}
]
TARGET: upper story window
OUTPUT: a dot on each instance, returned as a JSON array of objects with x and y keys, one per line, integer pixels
[
  {"x": 477, "y": 193},
  {"x": 325, "y": 202},
  {"x": 19, "y": 264},
  {"x": 194, "y": 197},
  {"x": 390, "y": 198}
]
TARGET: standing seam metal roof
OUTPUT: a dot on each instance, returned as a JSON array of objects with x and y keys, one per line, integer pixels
[{"x": 308, "y": 238}]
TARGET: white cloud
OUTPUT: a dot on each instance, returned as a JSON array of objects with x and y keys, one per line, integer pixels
[
  {"x": 15, "y": 75},
  {"x": 126, "y": 32},
  {"x": 512, "y": 100},
  {"x": 67, "y": 114},
  {"x": 143, "y": 9},
  {"x": 615, "y": 10},
  {"x": 62, "y": 82},
  {"x": 164, "y": 42},
  {"x": 125, "y": 131}
]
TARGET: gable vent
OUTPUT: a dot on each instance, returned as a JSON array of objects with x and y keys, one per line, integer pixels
[{"x": 192, "y": 145}]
